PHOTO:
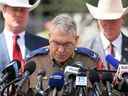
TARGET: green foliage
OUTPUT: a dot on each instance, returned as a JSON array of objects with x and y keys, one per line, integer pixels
[
  {"x": 71, "y": 6},
  {"x": 65, "y": 6}
]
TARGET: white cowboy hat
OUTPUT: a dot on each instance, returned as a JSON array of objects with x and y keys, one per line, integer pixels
[
  {"x": 20, "y": 3},
  {"x": 107, "y": 9}
]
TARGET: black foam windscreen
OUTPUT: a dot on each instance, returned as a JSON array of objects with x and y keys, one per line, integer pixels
[
  {"x": 13, "y": 64},
  {"x": 107, "y": 76},
  {"x": 41, "y": 72},
  {"x": 94, "y": 76},
  {"x": 10, "y": 72},
  {"x": 30, "y": 67}
]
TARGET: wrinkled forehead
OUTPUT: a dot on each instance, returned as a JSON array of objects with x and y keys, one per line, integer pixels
[
  {"x": 62, "y": 30},
  {"x": 61, "y": 35}
]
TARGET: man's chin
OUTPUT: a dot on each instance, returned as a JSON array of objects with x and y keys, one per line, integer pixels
[
  {"x": 61, "y": 60},
  {"x": 18, "y": 28}
]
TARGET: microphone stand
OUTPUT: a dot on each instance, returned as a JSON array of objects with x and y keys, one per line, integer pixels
[
  {"x": 8, "y": 85},
  {"x": 39, "y": 87},
  {"x": 96, "y": 90},
  {"x": 69, "y": 88},
  {"x": 109, "y": 88},
  {"x": 80, "y": 91},
  {"x": 54, "y": 93}
]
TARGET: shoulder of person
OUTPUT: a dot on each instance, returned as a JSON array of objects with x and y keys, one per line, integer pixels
[
  {"x": 1, "y": 34},
  {"x": 38, "y": 52},
  {"x": 87, "y": 52},
  {"x": 124, "y": 36}
]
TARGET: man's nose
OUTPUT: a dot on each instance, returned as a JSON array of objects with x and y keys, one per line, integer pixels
[
  {"x": 18, "y": 12},
  {"x": 61, "y": 48}
]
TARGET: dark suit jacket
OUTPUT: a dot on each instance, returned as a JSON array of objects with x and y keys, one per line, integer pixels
[
  {"x": 96, "y": 45},
  {"x": 32, "y": 42}
]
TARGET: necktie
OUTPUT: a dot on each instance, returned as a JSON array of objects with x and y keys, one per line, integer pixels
[
  {"x": 111, "y": 51},
  {"x": 17, "y": 52}
]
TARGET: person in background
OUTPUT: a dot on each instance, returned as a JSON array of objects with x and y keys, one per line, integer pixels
[
  {"x": 109, "y": 16},
  {"x": 15, "y": 41},
  {"x": 110, "y": 40}
]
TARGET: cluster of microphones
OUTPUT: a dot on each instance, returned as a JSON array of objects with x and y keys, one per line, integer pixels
[
  {"x": 73, "y": 81},
  {"x": 10, "y": 75}
]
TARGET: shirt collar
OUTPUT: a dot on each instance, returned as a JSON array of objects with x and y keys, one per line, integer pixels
[
  {"x": 105, "y": 41},
  {"x": 10, "y": 34},
  {"x": 117, "y": 42}
]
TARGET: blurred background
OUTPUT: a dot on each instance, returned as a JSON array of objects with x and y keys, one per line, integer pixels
[{"x": 48, "y": 9}]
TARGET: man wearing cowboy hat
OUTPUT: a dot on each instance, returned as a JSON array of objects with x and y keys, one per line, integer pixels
[
  {"x": 109, "y": 15},
  {"x": 15, "y": 41},
  {"x": 16, "y": 15}
]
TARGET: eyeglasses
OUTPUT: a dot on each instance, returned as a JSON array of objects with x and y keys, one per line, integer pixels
[{"x": 65, "y": 45}]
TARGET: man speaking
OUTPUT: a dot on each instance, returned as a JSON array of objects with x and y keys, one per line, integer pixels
[{"x": 62, "y": 51}]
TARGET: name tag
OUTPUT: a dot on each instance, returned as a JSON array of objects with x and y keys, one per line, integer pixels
[{"x": 81, "y": 81}]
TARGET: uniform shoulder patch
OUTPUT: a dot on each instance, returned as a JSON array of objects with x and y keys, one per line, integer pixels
[
  {"x": 87, "y": 52},
  {"x": 39, "y": 51}
]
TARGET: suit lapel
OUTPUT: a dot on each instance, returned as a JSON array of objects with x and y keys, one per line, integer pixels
[
  {"x": 124, "y": 51},
  {"x": 98, "y": 47},
  {"x": 3, "y": 52},
  {"x": 27, "y": 44}
]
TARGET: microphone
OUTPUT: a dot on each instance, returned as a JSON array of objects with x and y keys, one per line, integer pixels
[
  {"x": 111, "y": 60},
  {"x": 123, "y": 85},
  {"x": 29, "y": 69},
  {"x": 95, "y": 80},
  {"x": 71, "y": 71},
  {"x": 75, "y": 72},
  {"x": 39, "y": 87},
  {"x": 81, "y": 80},
  {"x": 56, "y": 82},
  {"x": 10, "y": 72},
  {"x": 70, "y": 76},
  {"x": 125, "y": 76},
  {"x": 76, "y": 79},
  {"x": 75, "y": 68},
  {"x": 107, "y": 80},
  {"x": 122, "y": 77}
]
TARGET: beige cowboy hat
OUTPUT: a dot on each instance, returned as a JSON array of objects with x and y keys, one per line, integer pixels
[
  {"x": 20, "y": 3},
  {"x": 107, "y": 9}
]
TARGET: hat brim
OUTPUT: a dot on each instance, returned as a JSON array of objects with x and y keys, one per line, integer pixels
[
  {"x": 30, "y": 7},
  {"x": 98, "y": 14},
  {"x": 19, "y": 5}
]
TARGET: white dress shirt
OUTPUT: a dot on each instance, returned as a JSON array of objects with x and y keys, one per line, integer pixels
[
  {"x": 9, "y": 42},
  {"x": 117, "y": 43}
]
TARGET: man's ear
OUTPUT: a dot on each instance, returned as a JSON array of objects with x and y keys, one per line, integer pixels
[
  {"x": 77, "y": 39},
  {"x": 98, "y": 24},
  {"x": 49, "y": 35},
  {"x": 2, "y": 9},
  {"x": 123, "y": 18}
]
